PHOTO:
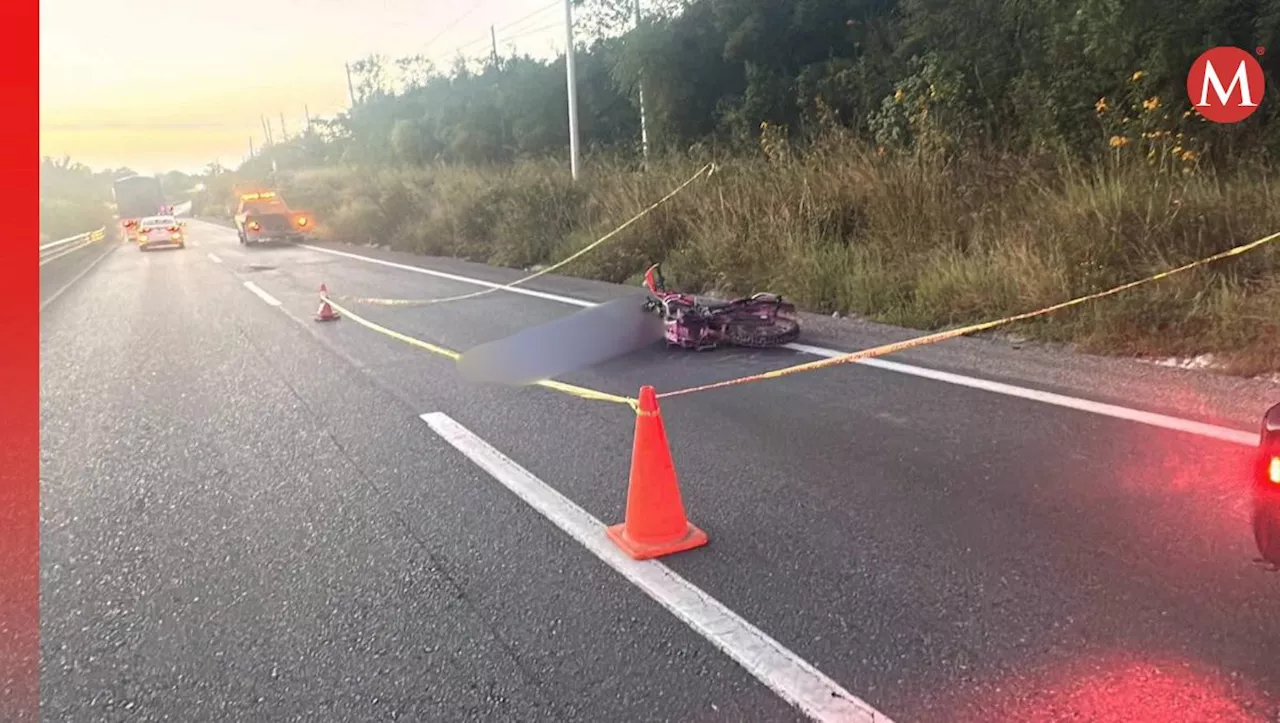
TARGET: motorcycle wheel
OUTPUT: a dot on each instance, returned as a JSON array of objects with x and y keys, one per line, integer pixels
[{"x": 760, "y": 334}]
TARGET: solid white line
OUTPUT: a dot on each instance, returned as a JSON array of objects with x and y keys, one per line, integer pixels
[
  {"x": 1212, "y": 431},
  {"x": 453, "y": 277},
  {"x": 788, "y": 675},
  {"x": 1224, "y": 434},
  {"x": 52, "y": 297},
  {"x": 214, "y": 257},
  {"x": 63, "y": 252},
  {"x": 261, "y": 294}
]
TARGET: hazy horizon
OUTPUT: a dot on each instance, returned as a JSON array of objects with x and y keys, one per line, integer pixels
[{"x": 116, "y": 91}]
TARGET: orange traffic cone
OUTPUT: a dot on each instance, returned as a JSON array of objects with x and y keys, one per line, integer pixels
[
  {"x": 655, "y": 523},
  {"x": 326, "y": 312}
]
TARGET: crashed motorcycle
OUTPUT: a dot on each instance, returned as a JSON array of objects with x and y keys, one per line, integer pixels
[{"x": 760, "y": 321}]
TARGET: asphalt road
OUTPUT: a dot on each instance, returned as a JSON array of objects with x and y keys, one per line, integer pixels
[
  {"x": 61, "y": 268},
  {"x": 245, "y": 518}
]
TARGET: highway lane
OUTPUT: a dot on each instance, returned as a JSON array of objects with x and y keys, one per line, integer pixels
[
  {"x": 238, "y": 524},
  {"x": 945, "y": 553}
]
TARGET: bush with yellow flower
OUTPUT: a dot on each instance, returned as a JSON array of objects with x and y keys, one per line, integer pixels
[{"x": 1136, "y": 122}]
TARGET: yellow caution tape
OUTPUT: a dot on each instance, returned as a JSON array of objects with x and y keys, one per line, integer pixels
[
  {"x": 580, "y": 392},
  {"x": 953, "y": 333},
  {"x": 708, "y": 169}
]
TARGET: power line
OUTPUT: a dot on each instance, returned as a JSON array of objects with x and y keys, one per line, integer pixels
[
  {"x": 535, "y": 13},
  {"x": 454, "y": 24},
  {"x": 514, "y": 23},
  {"x": 535, "y": 30},
  {"x": 517, "y": 36}
]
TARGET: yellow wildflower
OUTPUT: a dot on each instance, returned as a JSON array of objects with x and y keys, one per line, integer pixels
[
  {"x": 1101, "y": 106},
  {"x": 1151, "y": 103},
  {"x": 1190, "y": 156},
  {"x": 1138, "y": 76},
  {"x": 1119, "y": 141},
  {"x": 897, "y": 96}
]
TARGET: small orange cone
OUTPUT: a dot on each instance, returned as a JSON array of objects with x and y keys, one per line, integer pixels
[
  {"x": 655, "y": 523},
  {"x": 326, "y": 312}
]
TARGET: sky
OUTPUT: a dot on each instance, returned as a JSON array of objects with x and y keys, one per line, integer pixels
[{"x": 160, "y": 85}]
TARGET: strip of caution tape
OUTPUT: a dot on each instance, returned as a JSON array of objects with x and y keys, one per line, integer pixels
[
  {"x": 580, "y": 392},
  {"x": 963, "y": 331},
  {"x": 708, "y": 169}
]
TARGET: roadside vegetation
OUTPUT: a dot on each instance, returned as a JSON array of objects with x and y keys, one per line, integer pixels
[
  {"x": 74, "y": 198},
  {"x": 917, "y": 162}
]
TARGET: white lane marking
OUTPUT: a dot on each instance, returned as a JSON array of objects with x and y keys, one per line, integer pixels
[
  {"x": 453, "y": 277},
  {"x": 63, "y": 252},
  {"x": 784, "y": 672},
  {"x": 1212, "y": 431},
  {"x": 261, "y": 294},
  {"x": 110, "y": 249},
  {"x": 214, "y": 257}
]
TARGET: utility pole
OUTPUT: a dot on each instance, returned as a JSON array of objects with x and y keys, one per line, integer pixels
[
  {"x": 307, "y": 112},
  {"x": 251, "y": 146},
  {"x": 351, "y": 89},
  {"x": 644, "y": 126},
  {"x": 493, "y": 37},
  {"x": 572, "y": 83},
  {"x": 266, "y": 129}
]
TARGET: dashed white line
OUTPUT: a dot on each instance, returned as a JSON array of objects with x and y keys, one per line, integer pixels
[
  {"x": 214, "y": 257},
  {"x": 784, "y": 672},
  {"x": 261, "y": 294},
  {"x": 1212, "y": 431}
]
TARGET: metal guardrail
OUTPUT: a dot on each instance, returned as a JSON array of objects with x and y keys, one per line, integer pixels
[{"x": 62, "y": 247}]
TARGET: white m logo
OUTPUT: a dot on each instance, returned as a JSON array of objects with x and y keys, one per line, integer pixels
[{"x": 1241, "y": 78}]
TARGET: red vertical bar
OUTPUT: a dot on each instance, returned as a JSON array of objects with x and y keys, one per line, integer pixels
[{"x": 20, "y": 368}]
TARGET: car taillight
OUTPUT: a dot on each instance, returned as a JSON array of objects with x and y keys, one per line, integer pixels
[
  {"x": 302, "y": 220},
  {"x": 1273, "y": 470},
  {"x": 253, "y": 226}
]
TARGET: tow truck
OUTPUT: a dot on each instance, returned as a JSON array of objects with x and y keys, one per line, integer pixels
[{"x": 263, "y": 217}]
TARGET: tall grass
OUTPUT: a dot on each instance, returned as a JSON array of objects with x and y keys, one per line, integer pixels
[{"x": 905, "y": 239}]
